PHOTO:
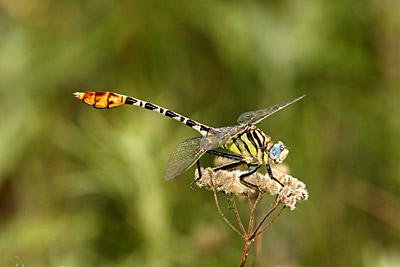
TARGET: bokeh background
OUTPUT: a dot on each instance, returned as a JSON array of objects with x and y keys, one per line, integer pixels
[{"x": 85, "y": 187}]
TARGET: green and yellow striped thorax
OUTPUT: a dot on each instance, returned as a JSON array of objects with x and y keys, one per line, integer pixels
[{"x": 251, "y": 143}]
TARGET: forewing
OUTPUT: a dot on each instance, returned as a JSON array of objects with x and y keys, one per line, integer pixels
[
  {"x": 219, "y": 137},
  {"x": 183, "y": 157},
  {"x": 254, "y": 117}
]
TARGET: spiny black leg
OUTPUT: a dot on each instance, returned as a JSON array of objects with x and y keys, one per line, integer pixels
[
  {"x": 252, "y": 165},
  {"x": 198, "y": 178},
  {"x": 270, "y": 174},
  {"x": 225, "y": 167},
  {"x": 224, "y": 155},
  {"x": 244, "y": 175},
  {"x": 230, "y": 165},
  {"x": 229, "y": 195},
  {"x": 240, "y": 160}
]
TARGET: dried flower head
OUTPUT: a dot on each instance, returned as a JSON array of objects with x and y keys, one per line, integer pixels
[{"x": 229, "y": 182}]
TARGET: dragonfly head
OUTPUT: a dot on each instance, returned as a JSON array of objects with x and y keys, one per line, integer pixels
[{"x": 278, "y": 152}]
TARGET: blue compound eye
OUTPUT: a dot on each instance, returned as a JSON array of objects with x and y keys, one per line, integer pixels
[{"x": 275, "y": 151}]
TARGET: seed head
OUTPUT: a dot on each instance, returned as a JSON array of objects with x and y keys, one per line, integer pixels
[{"x": 292, "y": 192}]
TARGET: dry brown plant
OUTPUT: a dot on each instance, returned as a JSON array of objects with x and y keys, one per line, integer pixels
[{"x": 229, "y": 183}]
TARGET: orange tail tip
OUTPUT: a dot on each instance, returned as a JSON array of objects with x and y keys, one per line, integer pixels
[
  {"x": 101, "y": 99},
  {"x": 79, "y": 95}
]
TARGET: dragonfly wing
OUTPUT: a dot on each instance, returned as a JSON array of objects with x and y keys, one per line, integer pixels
[
  {"x": 183, "y": 157},
  {"x": 188, "y": 152},
  {"x": 254, "y": 117},
  {"x": 219, "y": 137}
]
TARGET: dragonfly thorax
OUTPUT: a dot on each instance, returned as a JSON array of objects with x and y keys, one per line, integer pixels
[
  {"x": 256, "y": 147},
  {"x": 251, "y": 143}
]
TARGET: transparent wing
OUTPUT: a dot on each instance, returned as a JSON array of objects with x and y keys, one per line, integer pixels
[
  {"x": 219, "y": 137},
  {"x": 183, "y": 157},
  {"x": 188, "y": 152},
  {"x": 254, "y": 117}
]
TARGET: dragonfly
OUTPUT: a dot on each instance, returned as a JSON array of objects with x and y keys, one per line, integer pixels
[{"x": 247, "y": 144}]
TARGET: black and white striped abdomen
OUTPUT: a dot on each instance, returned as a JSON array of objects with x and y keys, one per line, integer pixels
[{"x": 112, "y": 100}]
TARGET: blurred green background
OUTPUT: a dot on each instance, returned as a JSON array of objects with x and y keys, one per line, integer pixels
[{"x": 85, "y": 187}]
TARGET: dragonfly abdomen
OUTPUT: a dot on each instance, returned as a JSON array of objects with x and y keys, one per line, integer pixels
[{"x": 103, "y": 100}]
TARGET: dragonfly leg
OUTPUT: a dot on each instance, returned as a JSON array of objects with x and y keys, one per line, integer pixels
[
  {"x": 252, "y": 165},
  {"x": 230, "y": 156},
  {"x": 229, "y": 200},
  {"x": 233, "y": 157},
  {"x": 200, "y": 175},
  {"x": 224, "y": 167},
  {"x": 271, "y": 175},
  {"x": 230, "y": 165},
  {"x": 224, "y": 155},
  {"x": 244, "y": 175},
  {"x": 239, "y": 160}
]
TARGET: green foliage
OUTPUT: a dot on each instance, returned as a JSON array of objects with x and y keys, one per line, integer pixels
[{"x": 84, "y": 187}]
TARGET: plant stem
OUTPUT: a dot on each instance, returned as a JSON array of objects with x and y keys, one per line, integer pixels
[
  {"x": 245, "y": 253},
  {"x": 223, "y": 216},
  {"x": 270, "y": 210},
  {"x": 238, "y": 216},
  {"x": 265, "y": 227},
  {"x": 253, "y": 208},
  {"x": 257, "y": 243}
]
